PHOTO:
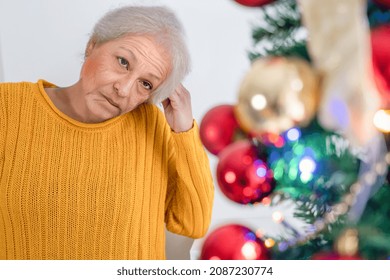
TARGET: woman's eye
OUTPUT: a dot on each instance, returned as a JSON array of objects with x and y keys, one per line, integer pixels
[
  {"x": 147, "y": 85},
  {"x": 123, "y": 62}
]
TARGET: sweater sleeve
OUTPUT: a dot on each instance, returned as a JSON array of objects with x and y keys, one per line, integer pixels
[{"x": 190, "y": 191}]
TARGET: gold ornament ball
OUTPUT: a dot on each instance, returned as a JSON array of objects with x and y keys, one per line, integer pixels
[{"x": 276, "y": 94}]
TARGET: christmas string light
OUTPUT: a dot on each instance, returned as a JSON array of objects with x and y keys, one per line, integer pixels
[{"x": 382, "y": 120}]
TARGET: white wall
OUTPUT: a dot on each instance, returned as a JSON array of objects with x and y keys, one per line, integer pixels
[
  {"x": 46, "y": 39},
  {"x": 1, "y": 65}
]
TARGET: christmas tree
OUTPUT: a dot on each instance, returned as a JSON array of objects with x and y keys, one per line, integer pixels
[{"x": 303, "y": 130}]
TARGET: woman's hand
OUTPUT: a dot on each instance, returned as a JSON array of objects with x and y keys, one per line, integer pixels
[{"x": 178, "y": 111}]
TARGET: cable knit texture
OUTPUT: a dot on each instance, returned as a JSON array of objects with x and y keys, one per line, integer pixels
[{"x": 70, "y": 190}]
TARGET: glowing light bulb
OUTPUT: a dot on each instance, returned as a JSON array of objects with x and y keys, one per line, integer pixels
[
  {"x": 266, "y": 201},
  {"x": 261, "y": 171},
  {"x": 278, "y": 217},
  {"x": 249, "y": 250},
  {"x": 269, "y": 242},
  {"x": 293, "y": 134},
  {"x": 307, "y": 165},
  {"x": 258, "y": 102},
  {"x": 382, "y": 120}
]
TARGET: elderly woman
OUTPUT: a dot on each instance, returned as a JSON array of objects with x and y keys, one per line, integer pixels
[{"x": 95, "y": 170}]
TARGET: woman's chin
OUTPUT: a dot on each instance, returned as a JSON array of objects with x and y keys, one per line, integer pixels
[{"x": 103, "y": 111}]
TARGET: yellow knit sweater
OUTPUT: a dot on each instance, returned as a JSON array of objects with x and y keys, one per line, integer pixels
[{"x": 70, "y": 190}]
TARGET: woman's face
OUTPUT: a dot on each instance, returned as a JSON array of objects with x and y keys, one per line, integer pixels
[{"x": 119, "y": 75}]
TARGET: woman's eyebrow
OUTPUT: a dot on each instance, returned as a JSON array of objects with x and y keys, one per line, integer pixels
[
  {"x": 133, "y": 57},
  {"x": 130, "y": 52}
]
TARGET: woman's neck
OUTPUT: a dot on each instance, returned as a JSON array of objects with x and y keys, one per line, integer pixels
[{"x": 69, "y": 101}]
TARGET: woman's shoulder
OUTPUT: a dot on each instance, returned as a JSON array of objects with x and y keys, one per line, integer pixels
[{"x": 17, "y": 87}]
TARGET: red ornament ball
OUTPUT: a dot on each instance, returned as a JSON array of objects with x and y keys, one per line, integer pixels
[
  {"x": 218, "y": 128},
  {"x": 233, "y": 242},
  {"x": 383, "y": 3},
  {"x": 253, "y": 3},
  {"x": 380, "y": 44},
  {"x": 242, "y": 175}
]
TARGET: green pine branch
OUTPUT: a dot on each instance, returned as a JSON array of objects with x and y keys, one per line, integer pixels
[{"x": 277, "y": 33}]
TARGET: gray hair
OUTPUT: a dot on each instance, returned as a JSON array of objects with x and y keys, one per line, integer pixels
[{"x": 159, "y": 22}]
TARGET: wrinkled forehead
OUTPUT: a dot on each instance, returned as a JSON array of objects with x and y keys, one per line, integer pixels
[{"x": 159, "y": 41}]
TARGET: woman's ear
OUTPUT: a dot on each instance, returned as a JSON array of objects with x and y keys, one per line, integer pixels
[{"x": 90, "y": 46}]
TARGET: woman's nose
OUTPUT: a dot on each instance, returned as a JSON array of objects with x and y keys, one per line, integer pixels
[{"x": 123, "y": 87}]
